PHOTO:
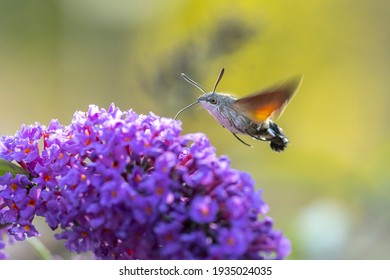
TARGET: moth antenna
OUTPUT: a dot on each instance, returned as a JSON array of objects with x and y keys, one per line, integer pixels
[
  {"x": 185, "y": 77},
  {"x": 185, "y": 108},
  {"x": 218, "y": 79}
]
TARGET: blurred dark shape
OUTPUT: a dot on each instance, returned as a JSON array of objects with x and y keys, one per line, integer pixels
[
  {"x": 229, "y": 36},
  {"x": 192, "y": 57}
]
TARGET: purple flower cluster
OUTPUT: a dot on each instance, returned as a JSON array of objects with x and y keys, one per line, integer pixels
[{"x": 129, "y": 186}]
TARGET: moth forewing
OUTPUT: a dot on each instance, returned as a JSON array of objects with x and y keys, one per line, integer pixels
[{"x": 268, "y": 103}]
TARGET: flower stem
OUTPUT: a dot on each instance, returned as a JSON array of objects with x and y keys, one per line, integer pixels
[{"x": 41, "y": 249}]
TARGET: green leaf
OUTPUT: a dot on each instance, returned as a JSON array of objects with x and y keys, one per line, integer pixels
[{"x": 7, "y": 166}]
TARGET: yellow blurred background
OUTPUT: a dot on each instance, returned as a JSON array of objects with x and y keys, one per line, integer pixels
[{"x": 328, "y": 192}]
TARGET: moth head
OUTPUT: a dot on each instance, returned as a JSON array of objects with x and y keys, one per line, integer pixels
[{"x": 209, "y": 100}]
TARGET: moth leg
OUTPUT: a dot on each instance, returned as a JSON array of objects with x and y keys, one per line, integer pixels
[{"x": 242, "y": 140}]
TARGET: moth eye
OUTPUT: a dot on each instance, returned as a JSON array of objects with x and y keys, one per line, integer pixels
[{"x": 213, "y": 100}]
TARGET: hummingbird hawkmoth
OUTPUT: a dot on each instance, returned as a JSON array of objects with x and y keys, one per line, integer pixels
[{"x": 251, "y": 115}]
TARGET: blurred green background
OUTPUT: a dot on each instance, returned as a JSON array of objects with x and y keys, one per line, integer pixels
[{"x": 328, "y": 192}]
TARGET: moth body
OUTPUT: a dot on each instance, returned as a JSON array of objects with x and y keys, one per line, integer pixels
[
  {"x": 251, "y": 115},
  {"x": 220, "y": 106}
]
